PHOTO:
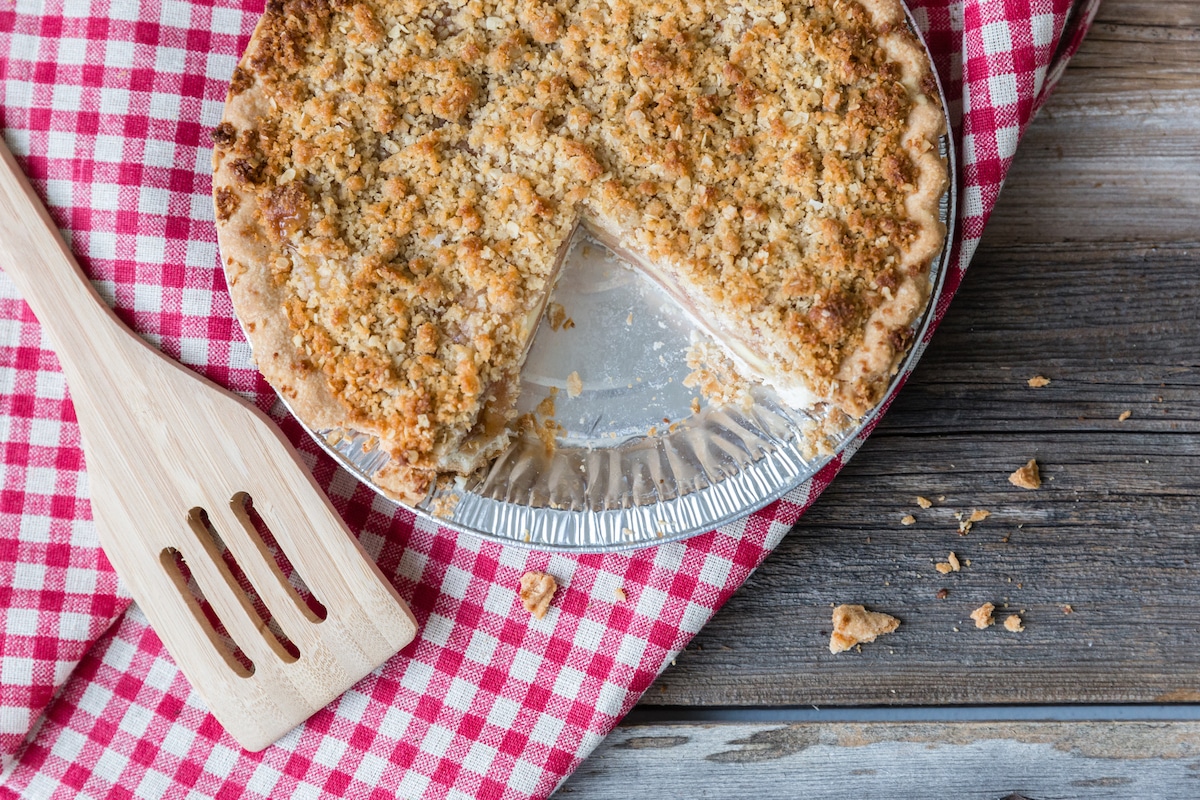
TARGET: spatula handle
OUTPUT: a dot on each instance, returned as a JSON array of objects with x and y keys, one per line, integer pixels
[{"x": 33, "y": 253}]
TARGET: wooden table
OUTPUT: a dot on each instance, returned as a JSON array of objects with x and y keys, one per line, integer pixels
[{"x": 1088, "y": 275}]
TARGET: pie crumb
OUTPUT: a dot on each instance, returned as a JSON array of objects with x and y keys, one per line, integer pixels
[
  {"x": 619, "y": 593},
  {"x": 556, "y": 315},
  {"x": 924, "y": 502},
  {"x": 943, "y": 567},
  {"x": 978, "y": 516},
  {"x": 1066, "y": 609},
  {"x": 1027, "y": 477},
  {"x": 983, "y": 616},
  {"x": 953, "y": 559},
  {"x": 853, "y": 625},
  {"x": 1037, "y": 381},
  {"x": 1013, "y": 623},
  {"x": 1124, "y": 416},
  {"x": 537, "y": 589},
  {"x": 908, "y": 519},
  {"x": 574, "y": 385}
]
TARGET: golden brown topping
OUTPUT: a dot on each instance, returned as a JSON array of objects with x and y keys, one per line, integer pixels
[
  {"x": 226, "y": 202},
  {"x": 1013, "y": 623},
  {"x": 419, "y": 166},
  {"x": 224, "y": 135}
]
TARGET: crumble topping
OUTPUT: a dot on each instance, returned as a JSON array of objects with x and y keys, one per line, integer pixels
[
  {"x": 1027, "y": 477},
  {"x": 854, "y": 625},
  {"x": 923, "y": 502},
  {"x": 537, "y": 590},
  {"x": 983, "y": 616},
  {"x": 1013, "y": 623},
  {"x": 395, "y": 181}
]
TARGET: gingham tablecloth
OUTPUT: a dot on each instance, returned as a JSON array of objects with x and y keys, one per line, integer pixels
[{"x": 108, "y": 105}]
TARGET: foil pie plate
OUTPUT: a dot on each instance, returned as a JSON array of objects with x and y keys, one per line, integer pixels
[{"x": 634, "y": 465}]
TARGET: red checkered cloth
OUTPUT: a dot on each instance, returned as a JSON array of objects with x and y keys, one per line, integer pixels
[{"x": 107, "y": 103}]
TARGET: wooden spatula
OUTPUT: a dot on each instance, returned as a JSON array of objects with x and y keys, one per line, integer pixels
[{"x": 171, "y": 458}]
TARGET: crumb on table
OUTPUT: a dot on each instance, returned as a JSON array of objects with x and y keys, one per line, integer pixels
[
  {"x": 1027, "y": 477},
  {"x": 1124, "y": 416},
  {"x": 537, "y": 589},
  {"x": 924, "y": 502},
  {"x": 1013, "y": 623},
  {"x": 908, "y": 519},
  {"x": 620, "y": 594},
  {"x": 1037, "y": 381},
  {"x": 983, "y": 616},
  {"x": 853, "y": 624}
]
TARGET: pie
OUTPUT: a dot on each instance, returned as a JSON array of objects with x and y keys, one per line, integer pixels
[{"x": 395, "y": 183}]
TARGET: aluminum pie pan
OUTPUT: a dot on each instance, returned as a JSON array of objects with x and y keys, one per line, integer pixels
[{"x": 614, "y": 481}]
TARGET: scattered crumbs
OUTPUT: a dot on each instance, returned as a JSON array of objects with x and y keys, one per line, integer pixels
[
  {"x": 443, "y": 505},
  {"x": 978, "y": 516},
  {"x": 966, "y": 561},
  {"x": 568, "y": 323},
  {"x": 941, "y": 498},
  {"x": 924, "y": 502},
  {"x": 1066, "y": 609},
  {"x": 546, "y": 407},
  {"x": 1027, "y": 477},
  {"x": 854, "y": 625},
  {"x": 949, "y": 565},
  {"x": 1124, "y": 416},
  {"x": 653, "y": 431},
  {"x": 942, "y": 594},
  {"x": 1013, "y": 623},
  {"x": 526, "y": 537},
  {"x": 629, "y": 319},
  {"x": 956, "y": 629},
  {"x": 537, "y": 589},
  {"x": 1038, "y": 381},
  {"x": 983, "y": 616},
  {"x": 619, "y": 593},
  {"x": 695, "y": 405},
  {"x": 908, "y": 519},
  {"x": 556, "y": 315},
  {"x": 626, "y": 532},
  {"x": 574, "y": 385}
]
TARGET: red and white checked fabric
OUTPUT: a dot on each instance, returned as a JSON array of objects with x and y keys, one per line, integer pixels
[{"x": 107, "y": 103}]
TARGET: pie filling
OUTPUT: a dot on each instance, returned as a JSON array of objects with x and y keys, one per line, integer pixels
[{"x": 396, "y": 181}]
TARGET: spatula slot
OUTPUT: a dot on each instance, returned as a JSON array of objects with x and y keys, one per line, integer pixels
[
  {"x": 262, "y": 617},
  {"x": 289, "y": 577},
  {"x": 204, "y": 614}
]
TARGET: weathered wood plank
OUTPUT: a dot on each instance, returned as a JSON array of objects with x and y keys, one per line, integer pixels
[
  {"x": 1039, "y": 761},
  {"x": 1098, "y": 291}
]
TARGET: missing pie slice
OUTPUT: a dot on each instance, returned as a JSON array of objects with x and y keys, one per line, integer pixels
[{"x": 395, "y": 185}]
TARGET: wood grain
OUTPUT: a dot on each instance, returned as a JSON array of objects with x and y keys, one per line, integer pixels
[
  {"x": 1088, "y": 276},
  {"x": 1032, "y": 760}
]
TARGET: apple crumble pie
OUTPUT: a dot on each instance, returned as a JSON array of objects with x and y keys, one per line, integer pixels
[{"x": 395, "y": 182}]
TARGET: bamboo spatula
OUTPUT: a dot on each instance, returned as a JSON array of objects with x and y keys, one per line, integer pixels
[{"x": 171, "y": 458}]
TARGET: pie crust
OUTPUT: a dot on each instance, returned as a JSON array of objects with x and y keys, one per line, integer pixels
[{"x": 395, "y": 184}]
